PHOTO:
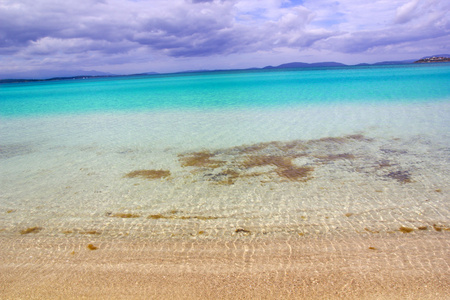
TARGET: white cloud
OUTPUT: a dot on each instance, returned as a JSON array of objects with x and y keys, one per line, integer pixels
[{"x": 406, "y": 12}]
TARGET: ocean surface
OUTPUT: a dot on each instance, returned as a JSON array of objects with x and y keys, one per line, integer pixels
[{"x": 228, "y": 155}]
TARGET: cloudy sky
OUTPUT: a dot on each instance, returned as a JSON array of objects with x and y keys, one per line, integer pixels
[{"x": 133, "y": 36}]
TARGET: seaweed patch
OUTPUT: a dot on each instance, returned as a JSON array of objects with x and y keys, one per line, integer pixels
[
  {"x": 248, "y": 161},
  {"x": 400, "y": 176},
  {"x": 295, "y": 173},
  {"x": 243, "y": 231},
  {"x": 284, "y": 166},
  {"x": 94, "y": 232},
  {"x": 200, "y": 160},
  {"x": 148, "y": 174},
  {"x": 125, "y": 215},
  {"x": 173, "y": 215},
  {"x": 405, "y": 229},
  {"x": 277, "y": 161},
  {"x": 31, "y": 230},
  {"x": 92, "y": 247},
  {"x": 274, "y": 160},
  {"x": 440, "y": 228},
  {"x": 267, "y": 160}
]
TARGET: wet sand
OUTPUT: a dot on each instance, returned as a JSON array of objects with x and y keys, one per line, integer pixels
[{"x": 412, "y": 265}]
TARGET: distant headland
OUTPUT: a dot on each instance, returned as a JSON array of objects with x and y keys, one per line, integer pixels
[{"x": 433, "y": 59}]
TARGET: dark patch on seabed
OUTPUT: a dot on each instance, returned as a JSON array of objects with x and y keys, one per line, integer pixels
[
  {"x": 292, "y": 161},
  {"x": 12, "y": 150},
  {"x": 400, "y": 176},
  {"x": 175, "y": 214},
  {"x": 149, "y": 174},
  {"x": 266, "y": 161}
]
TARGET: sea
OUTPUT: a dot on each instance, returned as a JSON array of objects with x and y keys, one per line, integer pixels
[{"x": 224, "y": 155}]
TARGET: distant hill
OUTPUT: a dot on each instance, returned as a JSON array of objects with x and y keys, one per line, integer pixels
[
  {"x": 337, "y": 64},
  {"x": 395, "y": 62},
  {"x": 306, "y": 65}
]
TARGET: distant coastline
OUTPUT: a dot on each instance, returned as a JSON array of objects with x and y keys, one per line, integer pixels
[
  {"x": 433, "y": 59},
  {"x": 441, "y": 58}
]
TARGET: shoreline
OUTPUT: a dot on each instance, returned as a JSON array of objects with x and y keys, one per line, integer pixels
[{"x": 398, "y": 266}]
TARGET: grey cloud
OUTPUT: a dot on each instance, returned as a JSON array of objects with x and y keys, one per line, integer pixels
[
  {"x": 222, "y": 42},
  {"x": 431, "y": 22},
  {"x": 363, "y": 41},
  {"x": 195, "y": 35},
  {"x": 32, "y": 20},
  {"x": 115, "y": 31},
  {"x": 201, "y": 1},
  {"x": 198, "y": 29}
]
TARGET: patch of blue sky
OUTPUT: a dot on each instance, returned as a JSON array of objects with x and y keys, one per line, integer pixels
[
  {"x": 337, "y": 18},
  {"x": 255, "y": 15},
  {"x": 291, "y": 3}
]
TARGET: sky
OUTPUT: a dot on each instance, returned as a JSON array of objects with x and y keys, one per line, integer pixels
[{"x": 136, "y": 36}]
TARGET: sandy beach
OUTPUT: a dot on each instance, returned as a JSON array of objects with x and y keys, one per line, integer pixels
[{"x": 366, "y": 266}]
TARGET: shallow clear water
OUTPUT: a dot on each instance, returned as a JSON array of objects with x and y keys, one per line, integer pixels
[{"x": 323, "y": 151}]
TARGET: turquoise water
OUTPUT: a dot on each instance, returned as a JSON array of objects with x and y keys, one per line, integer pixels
[
  {"x": 233, "y": 89},
  {"x": 279, "y": 153}
]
